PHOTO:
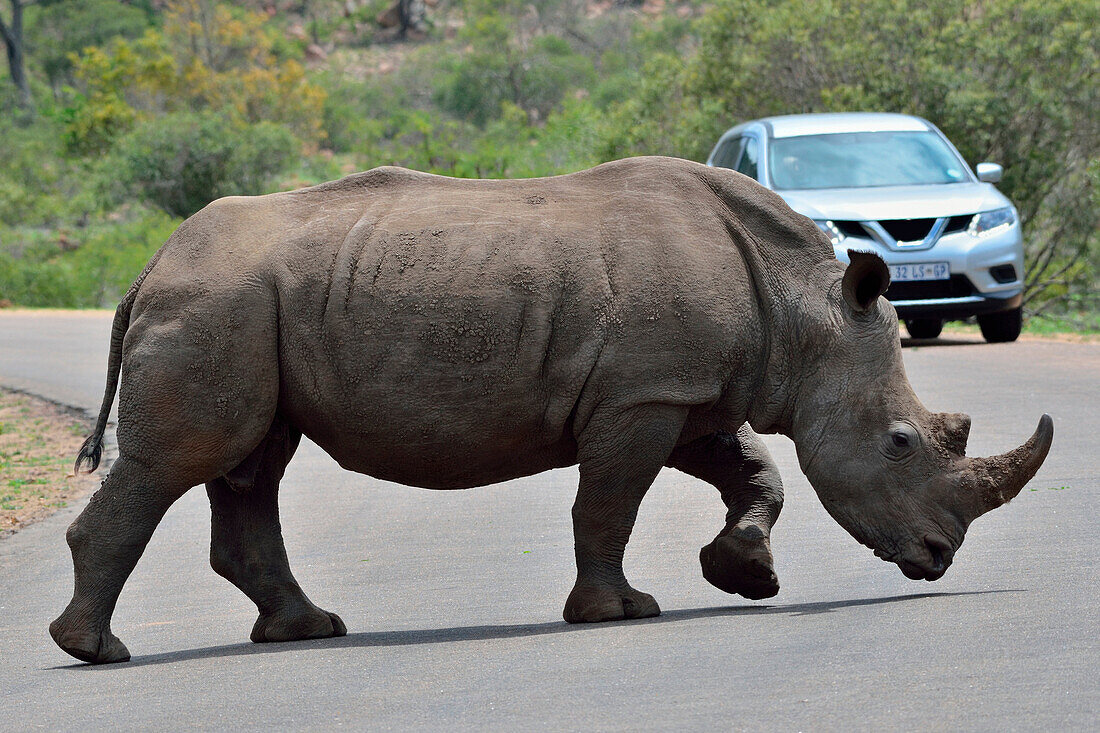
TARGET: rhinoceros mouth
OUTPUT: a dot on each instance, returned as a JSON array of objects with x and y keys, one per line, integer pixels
[{"x": 929, "y": 563}]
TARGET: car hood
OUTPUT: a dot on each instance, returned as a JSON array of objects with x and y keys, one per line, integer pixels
[{"x": 895, "y": 202}]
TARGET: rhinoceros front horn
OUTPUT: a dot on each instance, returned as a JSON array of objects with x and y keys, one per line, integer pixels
[{"x": 997, "y": 480}]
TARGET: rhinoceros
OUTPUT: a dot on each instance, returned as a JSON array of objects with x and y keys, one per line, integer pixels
[{"x": 447, "y": 333}]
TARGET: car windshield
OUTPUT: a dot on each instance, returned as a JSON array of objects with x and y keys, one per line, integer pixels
[{"x": 862, "y": 159}]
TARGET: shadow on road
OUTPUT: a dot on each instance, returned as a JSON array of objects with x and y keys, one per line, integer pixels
[
  {"x": 912, "y": 342},
  {"x": 488, "y": 633}
]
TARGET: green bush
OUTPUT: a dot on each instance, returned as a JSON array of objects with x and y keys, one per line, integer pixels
[
  {"x": 181, "y": 162},
  {"x": 38, "y": 185},
  {"x": 94, "y": 269},
  {"x": 495, "y": 69},
  {"x": 57, "y": 30},
  {"x": 353, "y": 116}
]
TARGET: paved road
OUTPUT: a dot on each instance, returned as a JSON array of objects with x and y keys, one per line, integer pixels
[{"x": 453, "y": 600}]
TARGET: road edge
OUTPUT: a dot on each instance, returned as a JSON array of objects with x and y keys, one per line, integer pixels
[{"x": 110, "y": 453}]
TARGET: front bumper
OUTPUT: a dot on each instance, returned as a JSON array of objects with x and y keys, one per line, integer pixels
[
  {"x": 953, "y": 309},
  {"x": 972, "y": 290}
]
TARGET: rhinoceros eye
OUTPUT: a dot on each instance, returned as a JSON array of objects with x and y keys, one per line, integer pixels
[{"x": 902, "y": 439}]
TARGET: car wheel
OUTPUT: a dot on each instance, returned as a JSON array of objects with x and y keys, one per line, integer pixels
[
  {"x": 924, "y": 328},
  {"x": 1001, "y": 327}
]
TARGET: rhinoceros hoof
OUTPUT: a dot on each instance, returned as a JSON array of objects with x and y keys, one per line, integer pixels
[
  {"x": 589, "y": 604},
  {"x": 741, "y": 565},
  {"x": 313, "y": 624},
  {"x": 94, "y": 647}
]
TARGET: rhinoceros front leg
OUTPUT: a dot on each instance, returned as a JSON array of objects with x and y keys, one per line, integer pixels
[
  {"x": 246, "y": 543},
  {"x": 620, "y": 453},
  {"x": 739, "y": 560}
]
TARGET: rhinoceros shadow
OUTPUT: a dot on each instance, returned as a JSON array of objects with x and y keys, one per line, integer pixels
[{"x": 489, "y": 633}]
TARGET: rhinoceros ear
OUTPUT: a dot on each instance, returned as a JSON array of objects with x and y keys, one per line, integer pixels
[{"x": 866, "y": 278}]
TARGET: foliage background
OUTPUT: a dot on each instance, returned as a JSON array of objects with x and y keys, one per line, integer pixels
[{"x": 144, "y": 110}]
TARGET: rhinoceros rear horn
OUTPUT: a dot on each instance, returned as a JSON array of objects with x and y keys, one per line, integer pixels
[
  {"x": 998, "y": 479},
  {"x": 866, "y": 278},
  {"x": 952, "y": 429}
]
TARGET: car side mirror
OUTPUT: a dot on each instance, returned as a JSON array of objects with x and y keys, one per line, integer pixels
[{"x": 989, "y": 172}]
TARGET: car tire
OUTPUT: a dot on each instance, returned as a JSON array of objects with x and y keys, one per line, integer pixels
[
  {"x": 924, "y": 328},
  {"x": 998, "y": 328}
]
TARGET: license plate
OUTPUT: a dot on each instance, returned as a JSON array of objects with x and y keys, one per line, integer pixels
[{"x": 921, "y": 271}]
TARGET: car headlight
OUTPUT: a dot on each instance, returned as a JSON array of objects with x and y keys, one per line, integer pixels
[
  {"x": 835, "y": 235},
  {"x": 990, "y": 222}
]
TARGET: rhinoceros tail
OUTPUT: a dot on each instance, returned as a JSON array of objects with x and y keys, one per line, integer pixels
[{"x": 92, "y": 450}]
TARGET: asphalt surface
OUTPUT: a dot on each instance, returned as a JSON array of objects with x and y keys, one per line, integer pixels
[{"x": 453, "y": 600}]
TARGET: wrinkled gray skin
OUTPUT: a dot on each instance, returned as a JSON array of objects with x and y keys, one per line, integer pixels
[{"x": 452, "y": 333}]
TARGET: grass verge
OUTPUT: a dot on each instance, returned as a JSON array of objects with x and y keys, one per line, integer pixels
[
  {"x": 1050, "y": 329},
  {"x": 38, "y": 443}
]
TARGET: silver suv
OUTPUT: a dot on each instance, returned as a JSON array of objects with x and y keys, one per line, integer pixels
[{"x": 894, "y": 185}]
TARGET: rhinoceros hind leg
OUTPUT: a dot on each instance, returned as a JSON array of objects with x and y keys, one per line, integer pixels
[
  {"x": 295, "y": 626},
  {"x": 739, "y": 560},
  {"x": 101, "y": 647},
  {"x": 620, "y": 453},
  {"x": 588, "y": 604},
  {"x": 106, "y": 541},
  {"x": 246, "y": 543}
]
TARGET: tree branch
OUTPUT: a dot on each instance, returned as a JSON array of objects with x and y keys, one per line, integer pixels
[
  {"x": 1043, "y": 258},
  {"x": 1046, "y": 304},
  {"x": 1042, "y": 261},
  {"x": 1039, "y": 287}
]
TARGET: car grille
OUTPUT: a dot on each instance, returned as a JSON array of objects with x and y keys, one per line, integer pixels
[
  {"x": 851, "y": 229},
  {"x": 957, "y": 223},
  {"x": 959, "y": 286},
  {"x": 905, "y": 230}
]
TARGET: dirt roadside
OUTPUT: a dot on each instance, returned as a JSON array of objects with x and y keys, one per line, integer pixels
[{"x": 38, "y": 444}]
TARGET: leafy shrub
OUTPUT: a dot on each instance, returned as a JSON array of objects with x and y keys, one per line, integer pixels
[
  {"x": 94, "y": 269},
  {"x": 208, "y": 56},
  {"x": 118, "y": 84},
  {"x": 354, "y": 113},
  {"x": 58, "y": 30},
  {"x": 534, "y": 76},
  {"x": 181, "y": 162},
  {"x": 38, "y": 185}
]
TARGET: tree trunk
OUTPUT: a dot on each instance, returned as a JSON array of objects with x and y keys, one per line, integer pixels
[
  {"x": 411, "y": 14},
  {"x": 13, "y": 43}
]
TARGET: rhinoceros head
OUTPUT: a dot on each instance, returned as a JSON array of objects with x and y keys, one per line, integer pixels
[{"x": 893, "y": 474}]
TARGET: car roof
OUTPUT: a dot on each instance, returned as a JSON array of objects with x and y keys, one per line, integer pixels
[{"x": 834, "y": 122}]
